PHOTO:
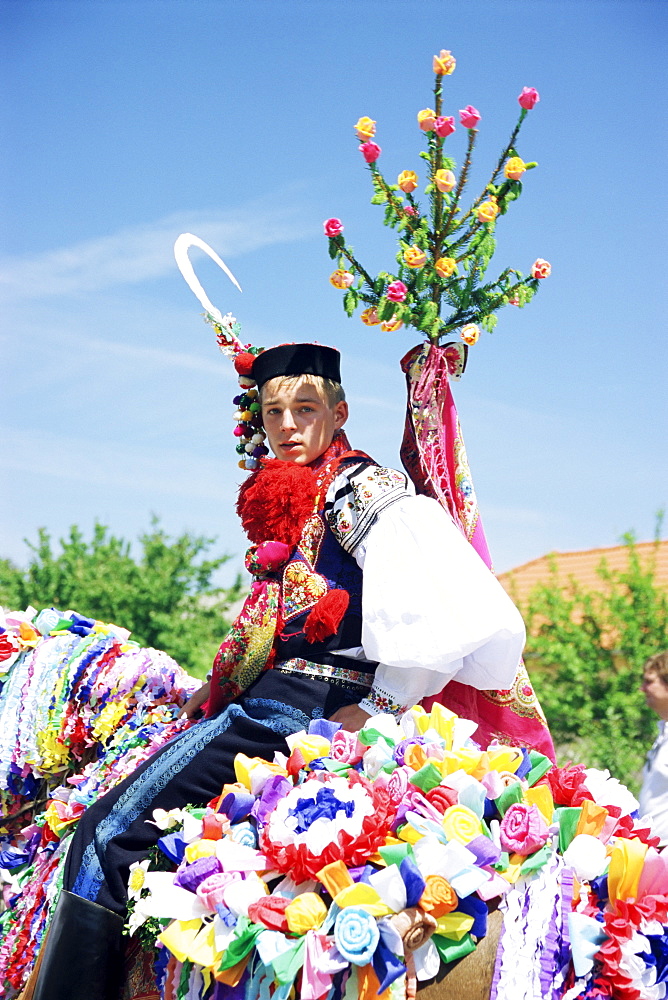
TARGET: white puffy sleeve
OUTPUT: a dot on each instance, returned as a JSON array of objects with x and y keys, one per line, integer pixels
[{"x": 432, "y": 610}]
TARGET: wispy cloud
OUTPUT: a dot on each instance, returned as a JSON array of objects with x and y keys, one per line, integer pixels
[
  {"x": 140, "y": 253},
  {"x": 156, "y": 357},
  {"x": 169, "y": 472}
]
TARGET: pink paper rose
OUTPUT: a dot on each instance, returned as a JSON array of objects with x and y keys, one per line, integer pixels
[
  {"x": 528, "y": 98},
  {"x": 396, "y": 291},
  {"x": 469, "y": 116},
  {"x": 346, "y": 748},
  {"x": 523, "y": 830},
  {"x": 444, "y": 126},
  {"x": 370, "y": 151},
  {"x": 333, "y": 227},
  {"x": 397, "y": 783}
]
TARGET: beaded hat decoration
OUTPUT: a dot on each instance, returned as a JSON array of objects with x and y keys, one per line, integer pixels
[
  {"x": 254, "y": 365},
  {"x": 438, "y": 285}
]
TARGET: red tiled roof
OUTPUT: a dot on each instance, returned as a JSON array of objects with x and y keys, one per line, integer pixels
[{"x": 582, "y": 566}]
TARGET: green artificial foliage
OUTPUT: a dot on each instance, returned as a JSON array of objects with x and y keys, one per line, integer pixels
[{"x": 164, "y": 595}]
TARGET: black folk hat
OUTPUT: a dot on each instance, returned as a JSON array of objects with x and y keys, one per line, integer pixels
[{"x": 297, "y": 359}]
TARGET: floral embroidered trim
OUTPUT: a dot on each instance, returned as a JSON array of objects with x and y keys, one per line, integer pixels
[
  {"x": 378, "y": 700},
  {"x": 355, "y": 502},
  {"x": 326, "y": 671}
]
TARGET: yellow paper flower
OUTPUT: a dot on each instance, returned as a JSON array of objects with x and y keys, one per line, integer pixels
[
  {"x": 444, "y": 180},
  {"x": 470, "y": 334},
  {"x": 137, "y": 878},
  {"x": 341, "y": 279},
  {"x": 365, "y": 128},
  {"x": 414, "y": 257},
  {"x": 445, "y": 266},
  {"x": 361, "y": 894},
  {"x": 454, "y": 925},
  {"x": 444, "y": 63},
  {"x": 28, "y": 636},
  {"x": 407, "y": 181},
  {"x": 200, "y": 849},
  {"x": 487, "y": 211},
  {"x": 391, "y": 325},
  {"x": 305, "y": 913},
  {"x": 461, "y": 824},
  {"x": 426, "y": 119},
  {"x": 370, "y": 316},
  {"x": 311, "y": 746},
  {"x": 514, "y": 168},
  {"x": 245, "y": 766}
]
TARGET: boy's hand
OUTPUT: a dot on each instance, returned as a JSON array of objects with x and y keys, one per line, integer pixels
[
  {"x": 351, "y": 717},
  {"x": 195, "y": 702}
]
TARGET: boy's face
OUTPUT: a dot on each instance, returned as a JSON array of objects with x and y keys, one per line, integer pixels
[
  {"x": 656, "y": 694},
  {"x": 299, "y": 422}
]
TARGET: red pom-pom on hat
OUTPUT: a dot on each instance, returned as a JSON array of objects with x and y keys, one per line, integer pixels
[{"x": 243, "y": 363}]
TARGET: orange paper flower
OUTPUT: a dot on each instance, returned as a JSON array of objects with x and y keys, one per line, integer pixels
[
  {"x": 407, "y": 181},
  {"x": 414, "y": 257},
  {"x": 426, "y": 119},
  {"x": 514, "y": 168},
  {"x": 470, "y": 334},
  {"x": 370, "y": 316},
  {"x": 487, "y": 211},
  {"x": 391, "y": 325},
  {"x": 444, "y": 63},
  {"x": 445, "y": 266},
  {"x": 365, "y": 128},
  {"x": 541, "y": 269},
  {"x": 444, "y": 180},
  {"x": 341, "y": 279}
]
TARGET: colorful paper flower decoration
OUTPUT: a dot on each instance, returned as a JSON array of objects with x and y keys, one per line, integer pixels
[{"x": 439, "y": 227}]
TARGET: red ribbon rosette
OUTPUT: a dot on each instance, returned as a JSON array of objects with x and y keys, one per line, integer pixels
[{"x": 327, "y": 818}]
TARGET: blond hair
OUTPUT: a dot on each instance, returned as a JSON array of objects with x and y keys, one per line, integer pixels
[{"x": 331, "y": 390}]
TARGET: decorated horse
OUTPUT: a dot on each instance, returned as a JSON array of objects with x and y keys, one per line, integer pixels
[{"x": 407, "y": 858}]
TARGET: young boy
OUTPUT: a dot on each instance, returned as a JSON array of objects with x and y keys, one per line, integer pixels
[{"x": 367, "y": 598}]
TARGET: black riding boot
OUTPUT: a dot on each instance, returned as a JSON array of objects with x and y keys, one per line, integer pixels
[{"x": 81, "y": 957}]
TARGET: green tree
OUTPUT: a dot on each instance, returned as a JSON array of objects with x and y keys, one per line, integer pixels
[
  {"x": 165, "y": 596},
  {"x": 585, "y": 652}
]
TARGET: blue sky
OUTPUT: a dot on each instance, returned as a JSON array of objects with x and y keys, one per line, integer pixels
[{"x": 125, "y": 124}]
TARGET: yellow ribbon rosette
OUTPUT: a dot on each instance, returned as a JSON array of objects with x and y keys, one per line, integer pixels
[
  {"x": 443, "y": 721},
  {"x": 461, "y": 760},
  {"x": 200, "y": 849},
  {"x": 461, "y": 824},
  {"x": 363, "y": 895},
  {"x": 245, "y": 766},
  {"x": 454, "y": 925},
  {"x": 335, "y": 877},
  {"x": 179, "y": 937},
  {"x": 305, "y": 913},
  {"x": 626, "y": 864},
  {"x": 540, "y": 796}
]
